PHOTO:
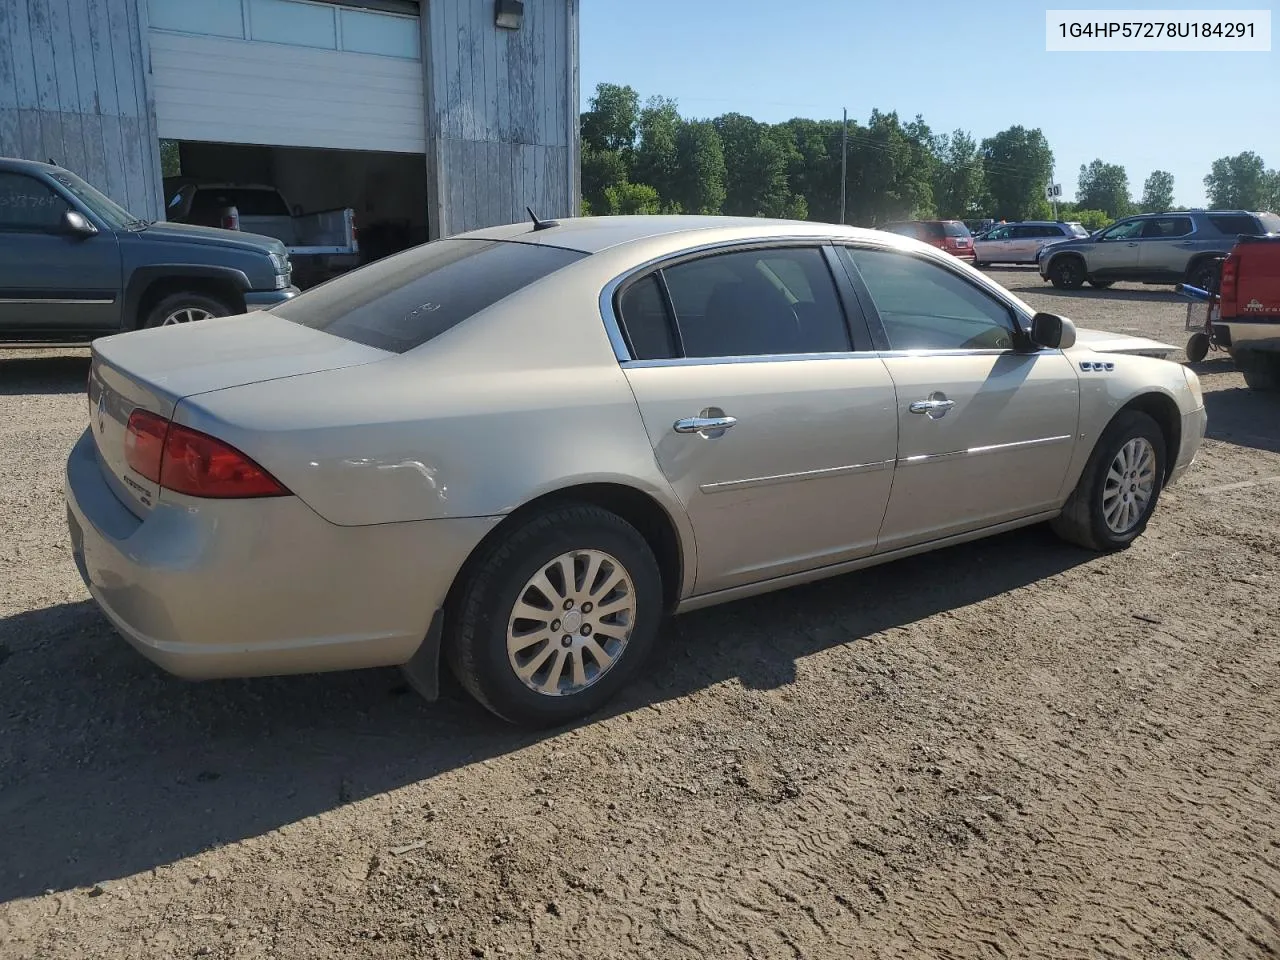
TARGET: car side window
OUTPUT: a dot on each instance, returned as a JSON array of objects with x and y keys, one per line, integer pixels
[
  {"x": 924, "y": 306},
  {"x": 1000, "y": 233},
  {"x": 1165, "y": 228},
  {"x": 28, "y": 204},
  {"x": 757, "y": 303},
  {"x": 1234, "y": 223},
  {"x": 646, "y": 322},
  {"x": 1129, "y": 230}
]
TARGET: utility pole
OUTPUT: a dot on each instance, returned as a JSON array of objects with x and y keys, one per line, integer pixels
[{"x": 844, "y": 162}]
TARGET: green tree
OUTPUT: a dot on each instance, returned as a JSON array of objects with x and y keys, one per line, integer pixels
[
  {"x": 891, "y": 169},
  {"x": 601, "y": 169},
  {"x": 631, "y": 198},
  {"x": 757, "y": 161},
  {"x": 1090, "y": 219},
  {"x": 1104, "y": 186},
  {"x": 611, "y": 123},
  {"x": 700, "y": 170},
  {"x": 656, "y": 156},
  {"x": 1241, "y": 182},
  {"x": 1017, "y": 164},
  {"x": 957, "y": 181},
  {"x": 815, "y": 165},
  {"x": 1157, "y": 192}
]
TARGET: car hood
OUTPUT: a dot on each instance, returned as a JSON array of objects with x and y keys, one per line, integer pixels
[
  {"x": 213, "y": 236},
  {"x": 1103, "y": 342}
]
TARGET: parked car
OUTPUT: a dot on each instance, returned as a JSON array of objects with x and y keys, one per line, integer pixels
[
  {"x": 504, "y": 446},
  {"x": 1153, "y": 248},
  {"x": 1244, "y": 316},
  {"x": 1021, "y": 242},
  {"x": 320, "y": 244},
  {"x": 74, "y": 264},
  {"x": 949, "y": 235}
]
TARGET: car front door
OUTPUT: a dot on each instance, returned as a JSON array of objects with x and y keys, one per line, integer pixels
[
  {"x": 1167, "y": 248},
  {"x": 997, "y": 246},
  {"x": 1117, "y": 251},
  {"x": 776, "y": 430},
  {"x": 1026, "y": 240},
  {"x": 986, "y": 425},
  {"x": 52, "y": 280}
]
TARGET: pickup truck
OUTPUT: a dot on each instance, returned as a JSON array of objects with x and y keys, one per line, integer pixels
[
  {"x": 321, "y": 244},
  {"x": 1246, "y": 317},
  {"x": 75, "y": 265}
]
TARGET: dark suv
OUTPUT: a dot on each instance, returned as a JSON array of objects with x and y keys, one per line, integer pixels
[
  {"x": 75, "y": 265},
  {"x": 1180, "y": 247}
]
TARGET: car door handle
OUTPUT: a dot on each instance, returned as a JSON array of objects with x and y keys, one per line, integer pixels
[
  {"x": 1132, "y": 243},
  {"x": 930, "y": 406},
  {"x": 703, "y": 424}
]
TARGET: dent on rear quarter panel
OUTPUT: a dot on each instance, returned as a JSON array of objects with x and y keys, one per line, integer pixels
[{"x": 480, "y": 420}]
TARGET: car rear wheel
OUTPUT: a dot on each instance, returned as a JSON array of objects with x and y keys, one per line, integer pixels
[
  {"x": 556, "y": 617},
  {"x": 1067, "y": 273},
  {"x": 1261, "y": 371},
  {"x": 1119, "y": 487},
  {"x": 185, "y": 307}
]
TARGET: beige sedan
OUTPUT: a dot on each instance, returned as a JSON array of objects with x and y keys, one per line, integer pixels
[{"x": 520, "y": 449}]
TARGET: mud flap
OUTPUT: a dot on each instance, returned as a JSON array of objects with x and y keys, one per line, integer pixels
[{"x": 423, "y": 669}]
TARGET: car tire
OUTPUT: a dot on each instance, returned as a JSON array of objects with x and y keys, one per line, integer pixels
[
  {"x": 1101, "y": 284},
  {"x": 1102, "y": 514},
  {"x": 1205, "y": 275},
  {"x": 979, "y": 264},
  {"x": 185, "y": 307},
  {"x": 1067, "y": 273},
  {"x": 522, "y": 572},
  {"x": 1197, "y": 347},
  {"x": 1261, "y": 371}
]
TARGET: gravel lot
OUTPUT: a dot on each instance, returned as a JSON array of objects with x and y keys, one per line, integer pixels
[{"x": 1011, "y": 748}]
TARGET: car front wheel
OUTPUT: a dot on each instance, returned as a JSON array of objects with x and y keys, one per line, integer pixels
[
  {"x": 556, "y": 617},
  {"x": 1119, "y": 487},
  {"x": 185, "y": 307},
  {"x": 1067, "y": 273}
]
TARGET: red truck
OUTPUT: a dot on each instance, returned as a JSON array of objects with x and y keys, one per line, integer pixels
[{"x": 1244, "y": 316}]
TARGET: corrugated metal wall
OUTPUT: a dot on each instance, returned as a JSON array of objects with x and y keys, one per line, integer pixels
[
  {"x": 73, "y": 88},
  {"x": 502, "y": 113}
]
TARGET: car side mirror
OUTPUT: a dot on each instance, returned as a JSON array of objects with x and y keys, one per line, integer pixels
[
  {"x": 77, "y": 224},
  {"x": 1052, "y": 332}
]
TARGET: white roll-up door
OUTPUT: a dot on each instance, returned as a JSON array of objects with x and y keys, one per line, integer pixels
[{"x": 287, "y": 73}]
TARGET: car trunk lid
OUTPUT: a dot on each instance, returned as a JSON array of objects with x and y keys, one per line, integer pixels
[{"x": 154, "y": 370}]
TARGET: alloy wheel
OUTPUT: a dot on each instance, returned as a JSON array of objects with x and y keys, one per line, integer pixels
[
  {"x": 186, "y": 315},
  {"x": 571, "y": 623},
  {"x": 1129, "y": 485}
]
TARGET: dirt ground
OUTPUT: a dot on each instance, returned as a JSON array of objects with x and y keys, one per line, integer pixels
[{"x": 1008, "y": 749}]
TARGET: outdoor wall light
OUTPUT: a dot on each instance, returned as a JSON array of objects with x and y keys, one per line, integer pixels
[{"x": 510, "y": 14}]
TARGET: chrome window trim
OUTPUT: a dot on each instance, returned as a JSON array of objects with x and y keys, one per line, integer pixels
[
  {"x": 613, "y": 327},
  {"x": 57, "y": 300}
]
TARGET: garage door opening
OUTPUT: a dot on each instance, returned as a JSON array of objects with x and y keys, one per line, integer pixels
[{"x": 302, "y": 195}]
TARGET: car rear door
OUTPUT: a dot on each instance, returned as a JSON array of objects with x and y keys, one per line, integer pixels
[
  {"x": 52, "y": 282},
  {"x": 775, "y": 428},
  {"x": 1167, "y": 247},
  {"x": 986, "y": 430}
]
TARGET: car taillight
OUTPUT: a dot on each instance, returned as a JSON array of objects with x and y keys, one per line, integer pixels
[
  {"x": 192, "y": 463},
  {"x": 1227, "y": 282}
]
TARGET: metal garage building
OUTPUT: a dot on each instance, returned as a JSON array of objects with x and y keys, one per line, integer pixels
[{"x": 450, "y": 114}]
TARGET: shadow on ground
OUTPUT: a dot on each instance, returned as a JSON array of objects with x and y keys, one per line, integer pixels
[
  {"x": 109, "y": 767},
  {"x": 43, "y": 375},
  {"x": 1153, "y": 295}
]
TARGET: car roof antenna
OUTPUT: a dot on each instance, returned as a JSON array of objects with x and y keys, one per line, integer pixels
[{"x": 541, "y": 224}]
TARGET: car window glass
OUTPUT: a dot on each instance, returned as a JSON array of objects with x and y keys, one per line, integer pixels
[
  {"x": 248, "y": 203},
  {"x": 1123, "y": 231},
  {"x": 1270, "y": 223},
  {"x": 954, "y": 228},
  {"x": 1163, "y": 228},
  {"x": 405, "y": 300},
  {"x": 645, "y": 321},
  {"x": 28, "y": 204},
  {"x": 757, "y": 303},
  {"x": 924, "y": 306},
  {"x": 1027, "y": 232},
  {"x": 1233, "y": 223}
]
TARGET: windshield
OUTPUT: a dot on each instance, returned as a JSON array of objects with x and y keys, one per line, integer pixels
[{"x": 102, "y": 206}]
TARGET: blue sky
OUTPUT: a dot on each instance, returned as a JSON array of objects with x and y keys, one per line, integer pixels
[{"x": 979, "y": 65}]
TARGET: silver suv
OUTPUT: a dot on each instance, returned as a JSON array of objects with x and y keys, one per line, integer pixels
[
  {"x": 1020, "y": 242},
  {"x": 1152, "y": 248}
]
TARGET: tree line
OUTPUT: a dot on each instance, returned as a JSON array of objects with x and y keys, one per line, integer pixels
[{"x": 645, "y": 158}]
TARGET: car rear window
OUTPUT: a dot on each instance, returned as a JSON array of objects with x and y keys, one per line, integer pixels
[
  {"x": 1270, "y": 222},
  {"x": 248, "y": 203},
  {"x": 405, "y": 300},
  {"x": 1077, "y": 230},
  {"x": 954, "y": 228}
]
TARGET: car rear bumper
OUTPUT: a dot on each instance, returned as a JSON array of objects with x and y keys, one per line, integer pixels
[
  {"x": 1260, "y": 335},
  {"x": 241, "y": 588}
]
